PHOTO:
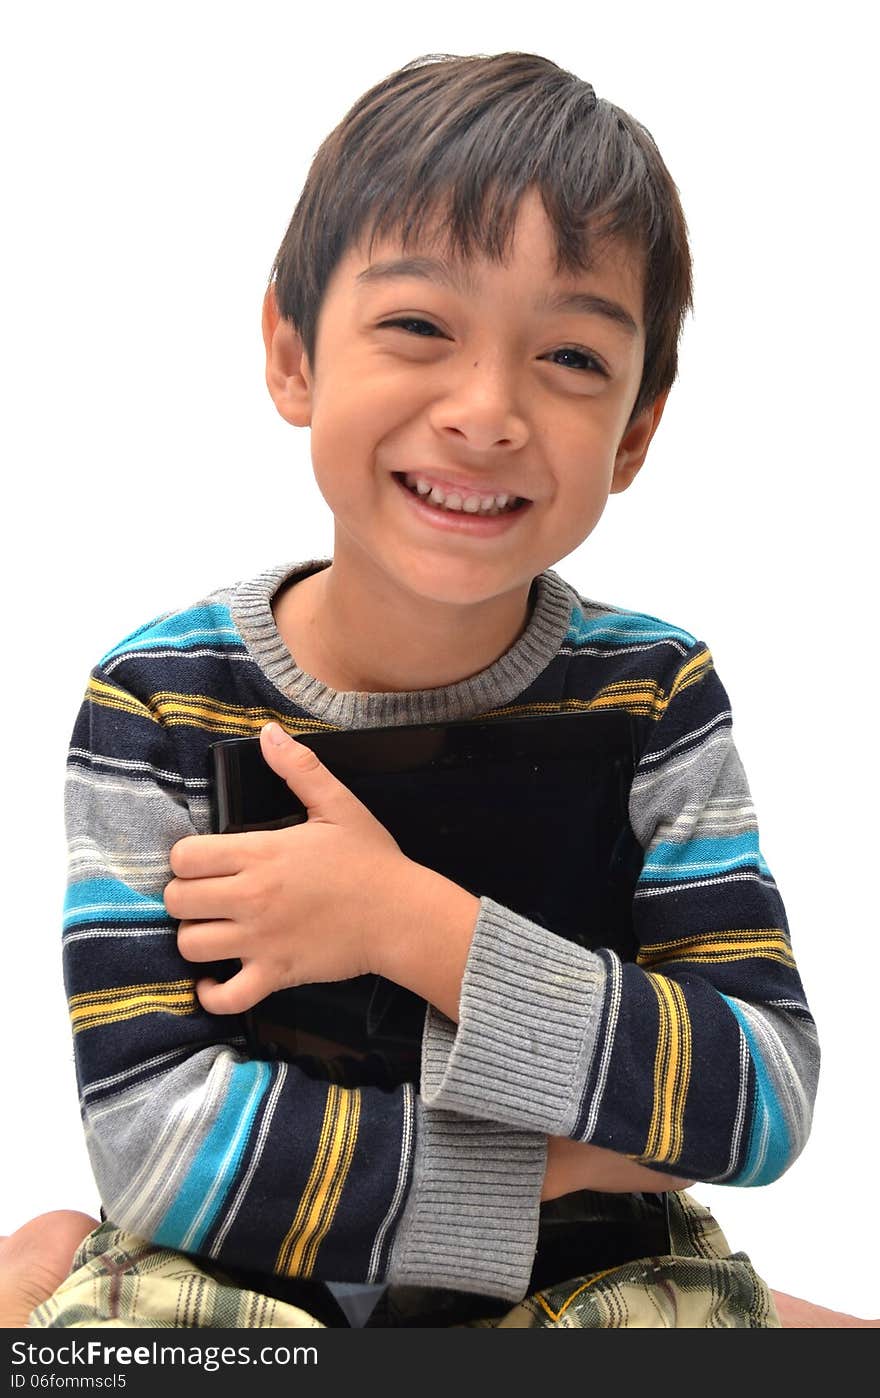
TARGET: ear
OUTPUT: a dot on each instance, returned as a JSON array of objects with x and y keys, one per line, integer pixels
[
  {"x": 634, "y": 444},
  {"x": 288, "y": 372}
]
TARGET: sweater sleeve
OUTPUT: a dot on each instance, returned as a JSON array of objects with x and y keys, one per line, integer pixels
[
  {"x": 199, "y": 1147},
  {"x": 699, "y": 1058}
]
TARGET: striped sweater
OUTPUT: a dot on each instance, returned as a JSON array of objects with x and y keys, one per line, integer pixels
[{"x": 699, "y": 1058}]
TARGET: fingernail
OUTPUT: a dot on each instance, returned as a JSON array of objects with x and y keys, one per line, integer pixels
[{"x": 276, "y": 734}]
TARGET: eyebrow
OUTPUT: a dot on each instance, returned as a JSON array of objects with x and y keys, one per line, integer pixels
[
  {"x": 433, "y": 270},
  {"x": 430, "y": 269},
  {"x": 586, "y": 303}
]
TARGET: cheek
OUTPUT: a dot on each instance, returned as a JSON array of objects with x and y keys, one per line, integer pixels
[
  {"x": 364, "y": 407},
  {"x": 338, "y": 479},
  {"x": 579, "y": 431},
  {"x": 585, "y": 491}
]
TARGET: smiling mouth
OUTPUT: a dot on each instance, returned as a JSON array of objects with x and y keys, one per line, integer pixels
[{"x": 482, "y": 504}]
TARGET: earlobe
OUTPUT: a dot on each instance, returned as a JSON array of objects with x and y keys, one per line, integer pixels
[
  {"x": 634, "y": 444},
  {"x": 288, "y": 373}
]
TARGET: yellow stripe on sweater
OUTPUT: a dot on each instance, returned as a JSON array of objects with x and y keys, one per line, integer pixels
[
  {"x": 347, "y": 1133},
  {"x": 633, "y": 696},
  {"x": 92, "y": 1008},
  {"x": 174, "y": 709},
  {"x": 735, "y": 944},
  {"x": 111, "y": 697},
  {"x": 691, "y": 672},
  {"x": 643, "y": 698},
  {"x": 333, "y": 1157},
  {"x": 672, "y": 1073}
]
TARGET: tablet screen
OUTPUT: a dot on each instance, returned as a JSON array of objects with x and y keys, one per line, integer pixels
[{"x": 529, "y": 811}]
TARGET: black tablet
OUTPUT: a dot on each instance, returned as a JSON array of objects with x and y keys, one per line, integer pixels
[{"x": 529, "y": 811}]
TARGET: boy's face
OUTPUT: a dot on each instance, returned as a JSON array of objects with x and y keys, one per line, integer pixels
[{"x": 488, "y": 383}]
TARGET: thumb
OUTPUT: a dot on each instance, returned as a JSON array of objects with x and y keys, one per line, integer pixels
[{"x": 322, "y": 794}]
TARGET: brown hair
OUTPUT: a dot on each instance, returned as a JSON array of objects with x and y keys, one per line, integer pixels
[{"x": 461, "y": 139}]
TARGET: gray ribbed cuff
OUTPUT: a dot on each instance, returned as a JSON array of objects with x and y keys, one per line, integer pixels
[
  {"x": 471, "y": 1219},
  {"x": 528, "y": 1020}
]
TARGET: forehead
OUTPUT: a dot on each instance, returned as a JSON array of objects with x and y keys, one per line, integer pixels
[{"x": 608, "y": 277}]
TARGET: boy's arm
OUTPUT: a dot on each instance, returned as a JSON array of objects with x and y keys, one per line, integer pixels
[
  {"x": 701, "y": 1059},
  {"x": 574, "y": 1165},
  {"x": 193, "y": 1145}
]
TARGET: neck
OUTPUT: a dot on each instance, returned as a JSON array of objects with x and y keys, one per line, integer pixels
[{"x": 371, "y": 637}]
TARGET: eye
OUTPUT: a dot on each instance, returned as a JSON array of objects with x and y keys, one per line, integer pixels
[
  {"x": 414, "y": 326},
  {"x": 568, "y": 357}
]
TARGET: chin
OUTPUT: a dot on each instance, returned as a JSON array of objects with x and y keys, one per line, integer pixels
[{"x": 465, "y": 591}]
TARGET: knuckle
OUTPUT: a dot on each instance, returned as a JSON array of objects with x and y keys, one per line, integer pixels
[
  {"x": 248, "y": 886},
  {"x": 178, "y": 856},
  {"x": 304, "y": 759},
  {"x": 230, "y": 998},
  {"x": 259, "y": 904},
  {"x": 260, "y": 847},
  {"x": 229, "y": 1002},
  {"x": 257, "y": 893},
  {"x": 185, "y": 942}
]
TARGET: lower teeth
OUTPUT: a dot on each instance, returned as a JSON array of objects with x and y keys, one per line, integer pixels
[{"x": 470, "y": 514}]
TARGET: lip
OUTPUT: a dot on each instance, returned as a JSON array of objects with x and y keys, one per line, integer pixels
[{"x": 458, "y": 522}]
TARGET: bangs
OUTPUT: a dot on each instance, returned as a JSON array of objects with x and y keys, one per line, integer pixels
[{"x": 478, "y": 152}]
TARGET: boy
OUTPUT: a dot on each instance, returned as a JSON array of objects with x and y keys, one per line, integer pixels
[{"x": 476, "y": 311}]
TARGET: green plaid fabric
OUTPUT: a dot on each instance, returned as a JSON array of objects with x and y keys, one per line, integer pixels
[
  {"x": 120, "y": 1280},
  {"x": 701, "y": 1285}
]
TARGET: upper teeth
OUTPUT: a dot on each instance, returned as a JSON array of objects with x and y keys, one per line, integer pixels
[{"x": 456, "y": 500}]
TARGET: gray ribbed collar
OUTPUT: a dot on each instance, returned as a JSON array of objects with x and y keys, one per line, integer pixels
[{"x": 251, "y": 608}]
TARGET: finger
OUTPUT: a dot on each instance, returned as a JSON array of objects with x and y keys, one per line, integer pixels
[
  {"x": 206, "y": 856},
  {"x": 209, "y": 941},
  {"x": 322, "y": 794},
  {"x": 245, "y": 989},
  {"x": 198, "y": 899}
]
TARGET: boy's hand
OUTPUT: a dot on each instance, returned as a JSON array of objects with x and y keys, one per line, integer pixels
[{"x": 309, "y": 903}]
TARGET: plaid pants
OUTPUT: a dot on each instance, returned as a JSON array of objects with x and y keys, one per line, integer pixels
[{"x": 120, "y": 1280}]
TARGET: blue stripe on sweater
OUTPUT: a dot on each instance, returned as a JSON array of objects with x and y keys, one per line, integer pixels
[
  {"x": 210, "y": 624},
  {"x": 769, "y": 1150},
  {"x": 214, "y": 1169},
  {"x": 627, "y": 628},
  {"x": 703, "y": 858},
  {"x": 109, "y": 900}
]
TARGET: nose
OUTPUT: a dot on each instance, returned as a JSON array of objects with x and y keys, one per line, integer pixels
[{"x": 480, "y": 407}]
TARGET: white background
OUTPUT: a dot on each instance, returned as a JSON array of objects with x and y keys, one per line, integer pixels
[{"x": 154, "y": 155}]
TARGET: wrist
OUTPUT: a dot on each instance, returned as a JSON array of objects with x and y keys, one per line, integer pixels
[{"x": 424, "y": 943}]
